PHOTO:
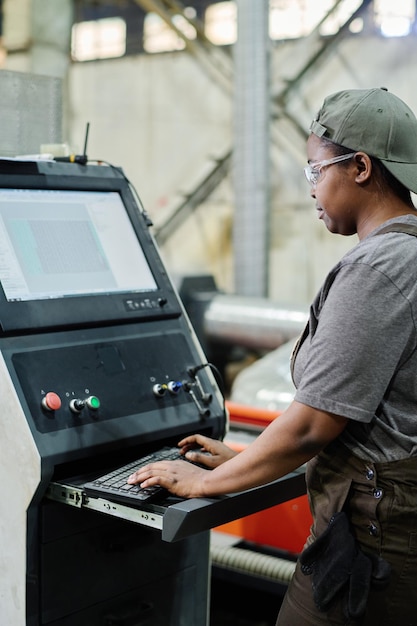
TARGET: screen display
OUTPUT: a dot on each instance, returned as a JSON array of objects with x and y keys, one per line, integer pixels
[{"x": 63, "y": 243}]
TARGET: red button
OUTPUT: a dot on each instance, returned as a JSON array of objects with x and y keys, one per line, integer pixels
[{"x": 51, "y": 402}]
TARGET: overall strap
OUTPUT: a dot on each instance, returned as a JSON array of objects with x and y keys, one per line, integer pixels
[{"x": 410, "y": 229}]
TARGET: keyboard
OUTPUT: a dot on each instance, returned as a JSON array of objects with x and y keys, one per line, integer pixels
[{"x": 113, "y": 485}]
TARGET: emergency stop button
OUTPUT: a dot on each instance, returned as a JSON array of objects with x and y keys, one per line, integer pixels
[{"x": 51, "y": 401}]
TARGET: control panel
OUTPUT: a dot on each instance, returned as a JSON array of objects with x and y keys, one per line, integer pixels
[{"x": 82, "y": 389}]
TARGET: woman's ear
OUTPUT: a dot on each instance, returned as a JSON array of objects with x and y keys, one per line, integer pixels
[{"x": 363, "y": 165}]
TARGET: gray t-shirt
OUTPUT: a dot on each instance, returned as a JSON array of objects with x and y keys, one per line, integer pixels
[{"x": 359, "y": 359}]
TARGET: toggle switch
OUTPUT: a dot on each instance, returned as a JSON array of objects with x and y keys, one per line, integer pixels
[
  {"x": 76, "y": 405},
  {"x": 174, "y": 387},
  {"x": 159, "y": 390},
  {"x": 51, "y": 401}
]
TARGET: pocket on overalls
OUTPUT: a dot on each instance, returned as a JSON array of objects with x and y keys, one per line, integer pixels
[{"x": 327, "y": 492}]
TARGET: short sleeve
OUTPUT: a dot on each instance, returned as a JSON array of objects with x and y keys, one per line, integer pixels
[{"x": 364, "y": 330}]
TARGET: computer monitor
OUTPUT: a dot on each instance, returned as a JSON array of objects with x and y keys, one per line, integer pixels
[
  {"x": 75, "y": 250},
  {"x": 65, "y": 243}
]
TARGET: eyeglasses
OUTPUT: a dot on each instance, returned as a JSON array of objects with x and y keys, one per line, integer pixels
[{"x": 313, "y": 170}]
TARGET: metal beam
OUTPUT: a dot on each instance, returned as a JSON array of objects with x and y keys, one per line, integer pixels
[
  {"x": 218, "y": 65},
  {"x": 194, "y": 199},
  {"x": 214, "y": 61}
]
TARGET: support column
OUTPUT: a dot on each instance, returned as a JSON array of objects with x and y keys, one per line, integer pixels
[{"x": 251, "y": 161}]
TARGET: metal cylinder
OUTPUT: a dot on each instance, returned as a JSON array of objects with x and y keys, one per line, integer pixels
[{"x": 251, "y": 322}]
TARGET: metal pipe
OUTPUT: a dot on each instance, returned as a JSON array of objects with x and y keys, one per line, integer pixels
[{"x": 251, "y": 322}]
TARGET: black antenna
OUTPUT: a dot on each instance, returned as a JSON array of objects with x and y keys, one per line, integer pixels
[
  {"x": 77, "y": 158},
  {"x": 85, "y": 141}
]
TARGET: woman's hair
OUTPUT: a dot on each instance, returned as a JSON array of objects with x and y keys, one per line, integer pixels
[{"x": 384, "y": 178}]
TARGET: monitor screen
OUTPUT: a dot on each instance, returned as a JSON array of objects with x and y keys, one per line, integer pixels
[{"x": 58, "y": 243}]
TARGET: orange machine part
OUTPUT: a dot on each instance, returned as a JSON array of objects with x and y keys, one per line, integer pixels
[
  {"x": 253, "y": 416},
  {"x": 284, "y": 526}
]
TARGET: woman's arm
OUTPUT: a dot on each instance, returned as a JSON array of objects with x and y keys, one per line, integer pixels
[{"x": 285, "y": 444}]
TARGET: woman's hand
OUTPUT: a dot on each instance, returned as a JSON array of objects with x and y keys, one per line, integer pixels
[
  {"x": 179, "y": 477},
  {"x": 205, "y": 451}
]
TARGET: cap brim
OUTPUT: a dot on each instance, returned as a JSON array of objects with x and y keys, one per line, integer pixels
[{"x": 406, "y": 173}]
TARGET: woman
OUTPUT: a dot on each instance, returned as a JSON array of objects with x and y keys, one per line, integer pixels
[{"x": 354, "y": 416}]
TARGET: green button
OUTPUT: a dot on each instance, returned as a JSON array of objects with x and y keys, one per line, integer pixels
[{"x": 93, "y": 402}]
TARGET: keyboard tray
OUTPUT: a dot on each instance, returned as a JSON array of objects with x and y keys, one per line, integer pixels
[{"x": 178, "y": 519}]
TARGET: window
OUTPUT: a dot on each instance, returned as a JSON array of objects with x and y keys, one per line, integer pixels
[
  {"x": 297, "y": 18},
  {"x": 394, "y": 19},
  {"x": 99, "y": 39},
  {"x": 291, "y": 19},
  {"x": 221, "y": 23},
  {"x": 340, "y": 16},
  {"x": 159, "y": 37},
  {"x": 288, "y": 20}
]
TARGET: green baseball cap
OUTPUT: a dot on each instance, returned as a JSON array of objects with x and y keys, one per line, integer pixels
[{"x": 376, "y": 122}]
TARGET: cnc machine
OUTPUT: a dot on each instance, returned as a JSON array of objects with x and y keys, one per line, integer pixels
[{"x": 99, "y": 365}]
